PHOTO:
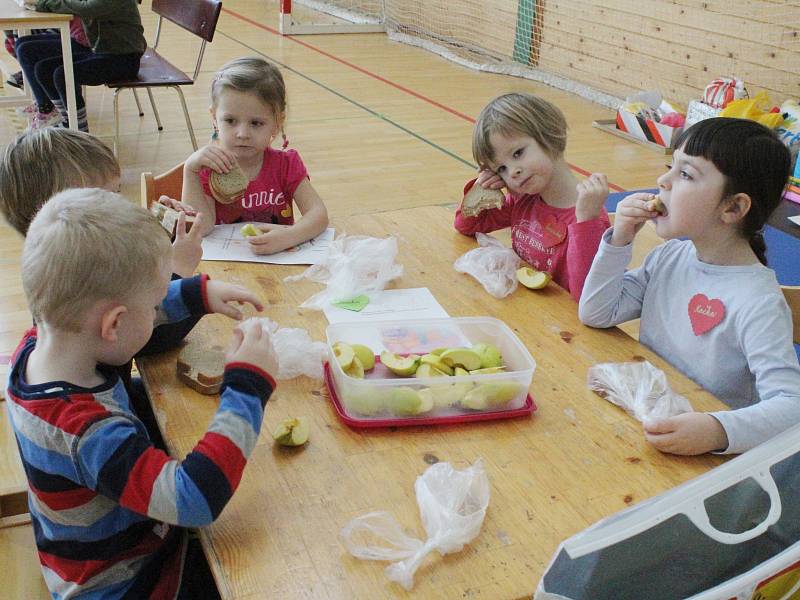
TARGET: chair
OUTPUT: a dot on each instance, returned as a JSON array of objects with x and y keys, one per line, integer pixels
[
  {"x": 167, "y": 184},
  {"x": 198, "y": 17},
  {"x": 792, "y": 295}
]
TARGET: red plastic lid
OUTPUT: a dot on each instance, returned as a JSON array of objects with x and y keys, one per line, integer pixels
[{"x": 526, "y": 409}]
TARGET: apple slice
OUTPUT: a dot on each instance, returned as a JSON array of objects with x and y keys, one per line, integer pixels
[
  {"x": 436, "y": 362},
  {"x": 490, "y": 355},
  {"x": 344, "y": 354},
  {"x": 464, "y": 357},
  {"x": 250, "y": 230},
  {"x": 292, "y": 432},
  {"x": 356, "y": 369},
  {"x": 365, "y": 355},
  {"x": 533, "y": 279},
  {"x": 404, "y": 366}
]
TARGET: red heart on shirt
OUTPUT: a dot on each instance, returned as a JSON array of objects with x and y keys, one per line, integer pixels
[
  {"x": 705, "y": 313},
  {"x": 553, "y": 232}
]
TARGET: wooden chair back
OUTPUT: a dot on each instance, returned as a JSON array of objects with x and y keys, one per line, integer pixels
[
  {"x": 198, "y": 16},
  {"x": 792, "y": 295},
  {"x": 167, "y": 184}
]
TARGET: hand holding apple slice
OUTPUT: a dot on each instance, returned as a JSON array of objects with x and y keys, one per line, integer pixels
[
  {"x": 655, "y": 204},
  {"x": 533, "y": 279}
]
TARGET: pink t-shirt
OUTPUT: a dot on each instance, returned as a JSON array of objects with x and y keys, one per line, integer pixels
[
  {"x": 547, "y": 238},
  {"x": 268, "y": 198}
]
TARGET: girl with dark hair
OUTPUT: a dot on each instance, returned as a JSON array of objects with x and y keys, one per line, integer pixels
[{"x": 707, "y": 302}]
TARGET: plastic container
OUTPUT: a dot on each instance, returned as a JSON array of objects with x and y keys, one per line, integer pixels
[
  {"x": 733, "y": 532},
  {"x": 383, "y": 398}
]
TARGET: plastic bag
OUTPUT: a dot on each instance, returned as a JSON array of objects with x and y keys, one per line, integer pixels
[
  {"x": 492, "y": 264},
  {"x": 354, "y": 265},
  {"x": 452, "y": 505},
  {"x": 639, "y": 388},
  {"x": 758, "y": 108},
  {"x": 297, "y": 353}
]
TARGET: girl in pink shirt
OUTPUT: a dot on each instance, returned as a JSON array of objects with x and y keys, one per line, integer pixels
[
  {"x": 556, "y": 222},
  {"x": 248, "y": 109}
]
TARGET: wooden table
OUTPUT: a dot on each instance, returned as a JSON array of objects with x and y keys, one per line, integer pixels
[
  {"x": 578, "y": 459},
  {"x": 13, "y": 16}
]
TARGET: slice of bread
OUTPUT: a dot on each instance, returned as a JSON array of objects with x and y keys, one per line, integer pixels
[
  {"x": 657, "y": 205},
  {"x": 201, "y": 367},
  {"x": 228, "y": 187},
  {"x": 168, "y": 218},
  {"x": 478, "y": 199}
]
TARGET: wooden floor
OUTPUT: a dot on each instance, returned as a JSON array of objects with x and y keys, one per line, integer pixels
[{"x": 380, "y": 125}]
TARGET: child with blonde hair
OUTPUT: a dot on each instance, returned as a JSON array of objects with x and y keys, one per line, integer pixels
[
  {"x": 556, "y": 222},
  {"x": 707, "y": 301},
  {"x": 248, "y": 111},
  {"x": 41, "y": 163},
  {"x": 110, "y": 509}
]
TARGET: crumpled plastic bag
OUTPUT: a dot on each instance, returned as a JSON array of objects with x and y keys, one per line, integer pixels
[
  {"x": 639, "y": 388},
  {"x": 757, "y": 108},
  {"x": 452, "y": 505},
  {"x": 354, "y": 265},
  {"x": 297, "y": 353},
  {"x": 492, "y": 264}
]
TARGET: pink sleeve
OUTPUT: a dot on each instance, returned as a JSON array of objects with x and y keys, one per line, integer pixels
[
  {"x": 294, "y": 171},
  {"x": 584, "y": 239},
  {"x": 204, "y": 176},
  {"x": 485, "y": 221}
]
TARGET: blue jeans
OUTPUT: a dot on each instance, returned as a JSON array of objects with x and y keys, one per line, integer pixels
[{"x": 40, "y": 58}]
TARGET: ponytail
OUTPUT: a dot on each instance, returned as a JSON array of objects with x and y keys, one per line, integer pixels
[{"x": 759, "y": 246}]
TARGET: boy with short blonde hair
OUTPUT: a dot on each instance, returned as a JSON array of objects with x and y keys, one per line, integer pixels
[
  {"x": 109, "y": 509},
  {"x": 42, "y": 162}
]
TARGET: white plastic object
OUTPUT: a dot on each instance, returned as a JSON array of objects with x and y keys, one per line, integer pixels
[
  {"x": 354, "y": 265},
  {"x": 689, "y": 499},
  {"x": 452, "y": 505},
  {"x": 297, "y": 353},
  {"x": 639, "y": 388},
  {"x": 492, "y": 264}
]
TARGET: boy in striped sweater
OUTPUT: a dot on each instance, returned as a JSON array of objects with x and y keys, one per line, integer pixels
[{"x": 109, "y": 509}]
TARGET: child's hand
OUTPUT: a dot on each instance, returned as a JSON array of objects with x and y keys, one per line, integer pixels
[
  {"x": 176, "y": 205},
  {"x": 187, "y": 249},
  {"x": 688, "y": 434},
  {"x": 490, "y": 180},
  {"x": 252, "y": 344},
  {"x": 632, "y": 213},
  {"x": 273, "y": 239},
  {"x": 219, "y": 293},
  {"x": 213, "y": 157},
  {"x": 592, "y": 194}
]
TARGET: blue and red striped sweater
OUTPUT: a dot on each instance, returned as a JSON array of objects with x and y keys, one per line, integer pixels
[{"x": 109, "y": 509}]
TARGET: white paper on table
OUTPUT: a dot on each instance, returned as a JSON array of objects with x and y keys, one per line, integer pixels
[
  {"x": 795, "y": 219},
  {"x": 226, "y": 242},
  {"x": 391, "y": 305},
  {"x": 410, "y": 307}
]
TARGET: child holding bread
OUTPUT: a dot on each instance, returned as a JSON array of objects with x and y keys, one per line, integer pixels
[
  {"x": 707, "y": 301},
  {"x": 110, "y": 509},
  {"x": 40, "y": 163},
  {"x": 239, "y": 177},
  {"x": 556, "y": 222}
]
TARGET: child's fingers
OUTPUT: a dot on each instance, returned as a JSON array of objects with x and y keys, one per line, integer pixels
[
  {"x": 180, "y": 227},
  {"x": 195, "y": 233},
  {"x": 244, "y": 295},
  {"x": 236, "y": 340},
  {"x": 659, "y": 426}
]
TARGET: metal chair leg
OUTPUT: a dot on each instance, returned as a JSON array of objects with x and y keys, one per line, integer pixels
[
  {"x": 138, "y": 104},
  {"x": 155, "y": 110},
  {"x": 186, "y": 114},
  {"x": 116, "y": 122}
]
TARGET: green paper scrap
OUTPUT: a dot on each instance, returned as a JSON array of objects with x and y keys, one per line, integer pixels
[{"x": 355, "y": 304}]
